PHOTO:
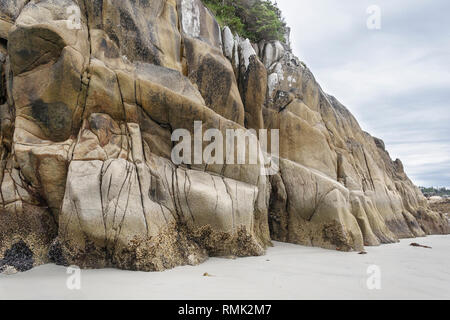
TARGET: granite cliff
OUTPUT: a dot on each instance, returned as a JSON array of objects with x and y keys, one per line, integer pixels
[{"x": 90, "y": 94}]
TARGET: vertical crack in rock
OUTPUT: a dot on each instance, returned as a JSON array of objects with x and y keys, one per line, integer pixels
[
  {"x": 186, "y": 194},
  {"x": 233, "y": 210},
  {"x": 368, "y": 169},
  {"x": 101, "y": 194}
]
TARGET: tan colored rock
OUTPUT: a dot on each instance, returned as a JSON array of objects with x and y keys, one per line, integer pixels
[
  {"x": 148, "y": 33},
  {"x": 5, "y": 26},
  {"x": 206, "y": 65},
  {"x": 87, "y": 114},
  {"x": 253, "y": 86},
  {"x": 215, "y": 79},
  {"x": 317, "y": 208}
]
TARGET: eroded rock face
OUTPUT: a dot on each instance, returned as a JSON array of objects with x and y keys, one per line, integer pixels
[{"x": 88, "y": 107}]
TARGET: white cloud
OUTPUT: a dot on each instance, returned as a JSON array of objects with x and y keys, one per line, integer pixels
[{"x": 395, "y": 80}]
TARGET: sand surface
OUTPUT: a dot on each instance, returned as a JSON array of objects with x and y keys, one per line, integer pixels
[{"x": 286, "y": 272}]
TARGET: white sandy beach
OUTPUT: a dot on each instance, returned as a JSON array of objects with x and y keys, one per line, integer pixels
[{"x": 286, "y": 272}]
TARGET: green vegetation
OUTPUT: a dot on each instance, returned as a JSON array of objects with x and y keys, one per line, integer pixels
[
  {"x": 435, "y": 191},
  {"x": 253, "y": 19}
]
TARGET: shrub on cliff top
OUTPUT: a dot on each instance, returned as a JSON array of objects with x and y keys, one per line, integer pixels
[{"x": 253, "y": 19}]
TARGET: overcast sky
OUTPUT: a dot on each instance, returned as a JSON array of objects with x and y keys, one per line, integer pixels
[{"x": 395, "y": 80}]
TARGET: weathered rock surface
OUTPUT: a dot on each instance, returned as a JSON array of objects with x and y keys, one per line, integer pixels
[{"x": 90, "y": 94}]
